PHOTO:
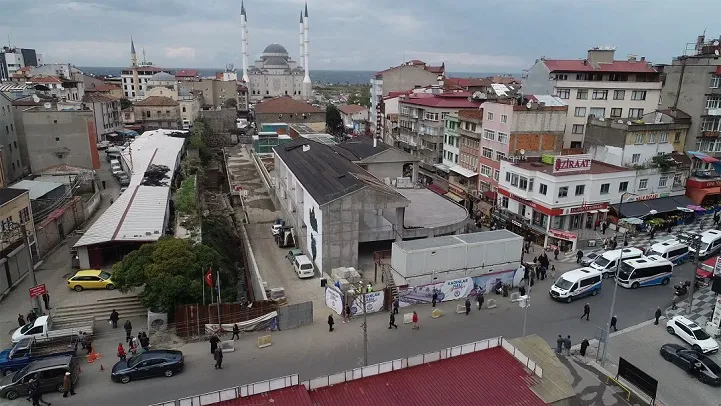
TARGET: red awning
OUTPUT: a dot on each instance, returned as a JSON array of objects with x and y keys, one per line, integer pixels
[
  {"x": 697, "y": 195},
  {"x": 709, "y": 159},
  {"x": 437, "y": 189},
  {"x": 718, "y": 70},
  {"x": 490, "y": 194}
]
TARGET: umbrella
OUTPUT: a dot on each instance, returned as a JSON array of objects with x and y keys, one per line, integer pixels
[
  {"x": 632, "y": 221},
  {"x": 684, "y": 209}
]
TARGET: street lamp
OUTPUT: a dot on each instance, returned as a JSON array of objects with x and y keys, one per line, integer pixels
[{"x": 696, "y": 244}]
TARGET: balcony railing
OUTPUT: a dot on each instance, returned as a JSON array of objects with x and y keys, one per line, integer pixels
[{"x": 470, "y": 134}]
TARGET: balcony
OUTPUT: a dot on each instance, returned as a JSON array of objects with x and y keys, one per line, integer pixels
[
  {"x": 469, "y": 134},
  {"x": 606, "y": 84},
  {"x": 710, "y": 134}
]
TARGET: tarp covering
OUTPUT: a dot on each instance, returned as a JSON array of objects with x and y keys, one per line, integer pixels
[{"x": 633, "y": 209}]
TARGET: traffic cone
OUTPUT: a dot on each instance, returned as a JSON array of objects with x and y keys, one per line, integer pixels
[{"x": 102, "y": 369}]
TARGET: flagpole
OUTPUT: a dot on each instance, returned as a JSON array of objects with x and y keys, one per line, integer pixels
[
  {"x": 202, "y": 276},
  {"x": 218, "y": 276}
]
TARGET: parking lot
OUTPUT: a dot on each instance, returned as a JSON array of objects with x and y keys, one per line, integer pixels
[{"x": 675, "y": 387}]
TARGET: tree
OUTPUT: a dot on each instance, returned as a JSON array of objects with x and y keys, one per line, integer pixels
[
  {"x": 333, "y": 122},
  {"x": 230, "y": 103},
  {"x": 362, "y": 97},
  {"x": 171, "y": 271},
  {"x": 125, "y": 103}
]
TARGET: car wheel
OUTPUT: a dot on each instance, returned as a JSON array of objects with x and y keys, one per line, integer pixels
[
  {"x": 671, "y": 331},
  {"x": 78, "y": 288},
  {"x": 665, "y": 281},
  {"x": 168, "y": 373},
  {"x": 125, "y": 379},
  {"x": 569, "y": 299},
  {"x": 12, "y": 394},
  {"x": 666, "y": 356},
  {"x": 110, "y": 287},
  {"x": 7, "y": 372},
  {"x": 702, "y": 378},
  {"x": 594, "y": 293},
  {"x": 635, "y": 285},
  {"x": 697, "y": 348},
  {"x": 60, "y": 387}
]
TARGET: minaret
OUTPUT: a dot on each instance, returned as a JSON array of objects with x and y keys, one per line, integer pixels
[
  {"x": 307, "y": 87},
  {"x": 244, "y": 41},
  {"x": 134, "y": 66},
  {"x": 302, "y": 43}
]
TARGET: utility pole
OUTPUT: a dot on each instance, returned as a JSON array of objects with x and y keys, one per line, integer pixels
[
  {"x": 697, "y": 246},
  {"x": 24, "y": 231},
  {"x": 365, "y": 332}
]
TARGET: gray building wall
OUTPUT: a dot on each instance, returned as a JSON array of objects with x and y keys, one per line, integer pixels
[
  {"x": 12, "y": 165},
  {"x": 215, "y": 92},
  {"x": 311, "y": 118},
  {"x": 47, "y": 133},
  {"x": 407, "y": 77},
  {"x": 602, "y": 135},
  {"x": 220, "y": 120},
  {"x": 535, "y": 80}
]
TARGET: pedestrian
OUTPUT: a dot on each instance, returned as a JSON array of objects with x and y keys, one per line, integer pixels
[
  {"x": 21, "y": 320},
  {"x": 68, "y": 386},
  {"x": 214, "y": 340},
  {"x": 614, "y": 244},
  {"x": 35, "y": 393},
  {"x": 596, "y": 224},
  {"x": 218, "y": 356},
  {"x": 330, "y": 322},
  {"x": 657, "y": 315},
  {"x": 559, "y": 344},
  {"x": 88, "y": 343},
  {"x": 31, "y": 316},
  {"x": 415, "y": 321},
  {"x": 468, "y": 306},
  {"x": 114, "y": 317},
  {"x": 579, "y": 255},
  {"x": 604, "y": 226},
  {"x": 584, "y": 346},
  {"x": 46, "y": 300},
  {"x": 121, "y": 352},
  {"x": 128, "y": 326},
  {"x": 613, "y": 323},
  {"x": 553, "y": 271},
  {"x": 236, "y": 332},
  {"x": 103, "y": 182},
  {"x": 526, "y": 272},
  {"x": 586, "y": 311},
  {"x": 652, "y": 233},
  {"x": 434, "y": 298},
  {"x": 392, "y": 321},
  {"x": 532, "y": 274},
  {"x": 145, "y": 342},
  {"x": 567, "y": 345},
  {"x": 715, "y": 218},
  {"x": 347, "y": 313},
  {"x": 396, "y": 304},
  {"x": 132, "y": 349},
  {"x": 480, "y": 299},
  {"x": 528, "y": 247},
  {"x": 625, "y": 240}
]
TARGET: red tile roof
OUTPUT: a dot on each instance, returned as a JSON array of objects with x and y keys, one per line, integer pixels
[
  {"x": 285, "y": 105},
  {"x": 351, "y": 108},
  {"x": 291, "y": 396},
  {"x": 102, "y": 88},
  {"x": 475, "y": 114},
  {"x": 580, "y": 65},
  {"x": 415, "y": 62},
  {"x": 468, "y": 82},
  {"x": 447, "y": 100},
  {"x": 157, "y": 101},
  {"x": 45, "y": 79},
  {"x": 186, "y": 73}
]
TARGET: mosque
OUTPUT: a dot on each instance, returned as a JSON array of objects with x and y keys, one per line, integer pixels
[{"x": 275, "y": 74}]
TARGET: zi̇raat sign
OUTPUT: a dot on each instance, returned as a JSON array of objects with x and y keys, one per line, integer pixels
[{"x": 572, "y": 163}]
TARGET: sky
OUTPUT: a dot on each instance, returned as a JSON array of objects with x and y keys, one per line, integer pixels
[{"x": 468, "y": 35}]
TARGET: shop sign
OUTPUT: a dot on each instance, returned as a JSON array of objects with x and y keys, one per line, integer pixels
[
  {"x": 702, "y": 184},
  {"x": 587, "y": 207},
  {"x": 531, "y": 204},
  {"x": 572, "y": 163},
  {"x": 456, "y": 190},
  {"x": 562, "y": 234},
  {"x": 650, "y": 196}
]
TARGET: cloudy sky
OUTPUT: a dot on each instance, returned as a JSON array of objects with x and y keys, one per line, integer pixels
[{"x": 468, "y": 35}]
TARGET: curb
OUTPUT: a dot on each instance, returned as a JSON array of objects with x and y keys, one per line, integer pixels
[{"x": 623, "y": 331}]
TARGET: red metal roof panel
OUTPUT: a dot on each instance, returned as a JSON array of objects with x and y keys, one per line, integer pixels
[
  {"x": 291, "y": 396},
  {"x": 579, "y": 65}
]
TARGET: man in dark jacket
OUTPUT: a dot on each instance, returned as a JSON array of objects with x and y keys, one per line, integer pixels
[
  {"x": 559, "y": 344},
  {"x": 21, "y": 320},
  {"x": 480, "y": 300},
  {"x": 128, "y": 330},
  {"x": 114, "y": 317},
  {"x": 579, "y": 255},
  {"x": 434, "y": 298},
  {"x": 214, "y": 340},
  {"x": 236, "y": 332},
  {"x": 468, "y": 306},
  {"x": 657, "y": 315},
  {"x": 567, "y": 345},
  {"x": 330, "y": 322},
  {"x": 614, "y": 320},
  {"x": 392, "y": 321},
  {"x": 586, "y": 311},
  {"x": 584, "y": 346},
  {"x": 218, "y": 355}
]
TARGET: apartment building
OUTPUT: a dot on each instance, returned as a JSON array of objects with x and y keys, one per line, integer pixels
[
  {"x": 144, "y": 75},
  {"x": 693, "y": 85},
  {"x": 106, "y": 112},
  {"x": 598, "y": 85},
  {"x": 388, "y": 105},
  {"x": 13, "y": 59},
  {"x": 451, "y": 140}
]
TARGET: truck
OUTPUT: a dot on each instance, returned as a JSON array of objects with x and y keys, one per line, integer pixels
[
  {"x": 30, "y": 349},
  {"x": 285, "y": 237},
  {"x": 276, "y": 226},
  {"x": 43, "y": 329}
]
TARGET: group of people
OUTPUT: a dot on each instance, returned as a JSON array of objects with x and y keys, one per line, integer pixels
[{"x": 35, "y": 393}]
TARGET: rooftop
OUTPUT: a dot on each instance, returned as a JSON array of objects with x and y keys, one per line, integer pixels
[
  {"x": 157, "y": 101},
  {"x": 8, "y": 194},
  {"x": 415, "y": 62},
  {"x": 351, "y": 108},
  {"x": 186, "y": 73},
  {"x": 460, "y": 239},
  {"x": 102, "y": 88},
  {"x": 285, "y": 105},
  {"x": 97, "y": 98},
  {"x": 582, "y": 65},
  {"x": 474, "y": 114},
  {"x": 37, "y": 188},
  {"x": 446, "y": 100},
  {"x": 45, "y": 79},
  {"x": 597, "y": 167},
  {"x": 360, "y": 148}
]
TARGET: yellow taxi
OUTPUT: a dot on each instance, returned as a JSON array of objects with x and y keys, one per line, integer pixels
[{"x": 90, "y": 279}]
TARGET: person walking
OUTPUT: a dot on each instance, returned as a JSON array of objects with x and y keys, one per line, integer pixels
[
  {"x": 579, "y": 255},
  {"x": 218, "y": 356},
  {"x": 46, "y": 300},
  {"x": 434, "y": 298},
  {"x": 114, "y": 317},
  {"x": 480, "y": 299},
  {"x": 555, "y": 254},
  {"x": 614, "y": 320},
  {"x": 559, "y": 344},
  {"x": 31, "y": 316},
  {"x": 121, "y": 352},
  {"x": 468, "y": 306},
  {"x": 392, "y": 321},
  {"x": 21, "y": 320},
  {"x": 652, "y": 232},
  {"x": 604, "y": 226},
  {"x": 657, "y": 315},
  {"x": 88, "y": 340},
  {"x": 214, "y": 340},
  {"x": 553, "y": 271},
  {"x": 586, "y": 311},
  {"x": 584, "y": 346},
  {"x": 567, "y": 345},
  {"x": 347, "y": 312},
  {"x": 128, "y": 326},
  {"x": 68, "y": 386},
  {"x": 136, "y": 343},
  {"x": 415, "y": 321},
  {"x": 36, "y": 394},
  {"x": 330, "y": 322},
  {"x": 236, "y": 332},
  {"x": 396, "y": 304},
  {"x": 614, "y": 244},
  {"x": 145, "y": 342},
  {"x": 132, "y": 349}
]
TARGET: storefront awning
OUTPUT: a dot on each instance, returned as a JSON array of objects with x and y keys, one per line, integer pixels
[
  {"x": 442, "y": 167},
  {"x": 435, "y": 188},
  {"x": 662, "y": 205},
  {"x": 633, "y": 209},
  {"x": 682, "y": 201},
  {"x": 490, "y": 194},
  {"x": 463, "y": 171},
  {"x": 697, "y": 195},
  {"x": 454, "y": 197}
]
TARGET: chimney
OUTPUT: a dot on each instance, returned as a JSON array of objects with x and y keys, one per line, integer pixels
[
  {"x": 631, "y": 58},
  {"x": 643, "y": 59},
  {"x": 306, "y": 147}
]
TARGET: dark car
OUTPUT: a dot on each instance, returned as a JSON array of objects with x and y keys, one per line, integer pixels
[
  {"x": 693, "y": 362},
  {"x": 50, "y": 372},
  {"x": 147, "y": 365}
]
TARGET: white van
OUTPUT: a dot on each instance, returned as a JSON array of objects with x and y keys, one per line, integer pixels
[
  {"x": 710, "y": 244},
  {"x": 303, "y": 266},
  {"x": 645, "y": 271},
  {"x": 672, "y": 250},
  {"x": 577, "y": 283},
  {"x": 608, "y": 261}
]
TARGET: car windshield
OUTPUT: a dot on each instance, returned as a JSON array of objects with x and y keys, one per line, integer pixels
[
  {"x": 592, "y": 255},
  {"x": 625, "y": 270},
  {"x": 133, "y": 361},
  {"x": 104, "y": 275},
  {"x": 704, "y": 246},
  {"x": 601, "y": 261},
  {"x": 563, "y": 284},
  {"x": 654, "y": 252},
  {"x": 701, "y": 335},
  {"x": 19, "y": 374},
  {"x": 711, "y": 365},
  {"x": 27, "y": 327}
]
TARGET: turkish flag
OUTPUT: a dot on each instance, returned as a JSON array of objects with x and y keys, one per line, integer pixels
[{"x": 209, "y": 277}]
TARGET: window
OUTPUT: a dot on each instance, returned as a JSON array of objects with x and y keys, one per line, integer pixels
[
  {"x": 600, "y": 95},
  {"x": 523, "y": 183},
  {"x": 508, "y": 176},
  {"x": 677, "y": 137},
  {"x": 662, "y": 181},
  {"x": 582, "y": 94},
  {"x": 514, "y": 180},
  {"x": 489, "y": 116},
  {"x": 598, "y": 112},
  {"x": 183, "y": 109},
  {"x": 577, "y": 129},
  {"x": 488, "y": 153},
  {"x": 496, "y": 172},
  {"x": 643, "y": 184},
  {"x": 504, "y": 118},
  {"x": 713, "y": 101},
  {"x": 530, "y": 184},
  {"x": 715, "y": 81},
  {"x": 430, "y": 116},
  {"x": 489, "y": 135},
  {"x": 622, "y": 187},
  {"x": 504, "y": 202},
  {"x": 638, "y": 95},
  {"x": 563, "y": 191},
  {"x": 580, "y": 112},
  {"x": 639, "y": 139},
  {"x": 635, "y": 158},
  {"x": 503, "y": 138},
  {"x": 635, "y": 113},
  {"x": 563, "y": 93},
  {"x": 616, "y": 112},
  {"x": 652, "y": 138},
  {"x": 500, "y": 155},
  {"x": 619, "y": 94},
  {"x": 469, "y": 126},
  {"x": 542, "y": 188},
  {"x": 580, "y": 189},
  {"x": 605, "y": 187},
  {"x": 486, "y": 170},
  {"x": 561, "y": 76}
]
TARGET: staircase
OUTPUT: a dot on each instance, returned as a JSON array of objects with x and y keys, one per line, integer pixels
[
  {"x": 126, "y": 306},
  {"x": 389, "y": 281}
]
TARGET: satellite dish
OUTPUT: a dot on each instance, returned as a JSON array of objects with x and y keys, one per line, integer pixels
[
  {"x": 528, "y": 105},
  {"x": 36, "y": 99},
  {"x": 47, "y": 105},
  {"x": 716, "y": 52},
  {"x": 715, "y": 43},
  {"x": 522, "y": 151},
  {"x": 620, "y": 121}
]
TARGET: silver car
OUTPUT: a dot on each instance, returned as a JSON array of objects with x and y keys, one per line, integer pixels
[{"x": 590, "y": 257}]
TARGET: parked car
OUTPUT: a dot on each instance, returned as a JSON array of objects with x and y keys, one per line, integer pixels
[
  {"x": 148, "y": 365},
  {"x": 694, "y": 335},
  {"x": 293, "y": 253},
  {"x": 90, "y": 279},
  {"x": 44, "y": 329},
  {"x": 590, "y": 257},
  {"x": 30, "y": 349},
  {"x": 51, "y": 372},
  {"x": 693, "y": 362},
  {"x": 124, "y": 180},
  {"x": 277, "y": 225}
]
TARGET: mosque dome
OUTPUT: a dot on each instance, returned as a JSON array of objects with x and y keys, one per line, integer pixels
[
  {"x": 275, "y": 49},
  {"x": 275, "y": 62},
  {"x": 162, "y": 77}
]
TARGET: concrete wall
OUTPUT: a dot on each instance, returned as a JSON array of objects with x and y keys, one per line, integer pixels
[
  {"x": 52, "y": 231},
  {"x": 536, "y": 80},
  {"x": 11, "y": 155},
  {"x": 13, "y": 267},
  {"x": 407, "y": 77},
  {"x": 215, "y": 92},
  {"x": 295, "y": 315},
  {"x": 60, "y": 137},
  {"x": 382, "y": 170},
  {"x": 220, "y": 120},
  {"x": 153, "y": 117},
  {"x": 315, "y": 120}
]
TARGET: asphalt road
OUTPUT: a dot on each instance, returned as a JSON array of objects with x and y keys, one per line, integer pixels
[{"x": 313, "y": 351}]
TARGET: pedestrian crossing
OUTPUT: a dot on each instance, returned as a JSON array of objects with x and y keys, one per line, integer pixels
[{"x": 704, "y": 302}]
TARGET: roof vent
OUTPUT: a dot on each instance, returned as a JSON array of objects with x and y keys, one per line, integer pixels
[{"x": 306, "y": 148}]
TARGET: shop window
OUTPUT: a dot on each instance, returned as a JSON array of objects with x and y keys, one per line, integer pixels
[
  {"x": 563, "y": 191},
  {"x": 575, "y": 222},
  {"x": 558, "y": 222},
  {"x": 504, "y": 202},
  {"x": 540, "y": 219}
]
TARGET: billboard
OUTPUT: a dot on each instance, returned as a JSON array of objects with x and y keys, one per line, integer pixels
[{"x": 572, "y": 163}]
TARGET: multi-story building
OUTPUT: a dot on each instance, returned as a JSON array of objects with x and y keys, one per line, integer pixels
[
  {"x": 15, "y": 209},
  {"x": 213, "y": 91},
  {"x": 463, "y": 176},
  {"x": 156, "y": 112},
  {"x": 402, "y": 78},
  {"x": 355, "y": 117},
  {"x": 451, "y": 140},
  {"x": 106, "y": 112},
  {"x": 13, "y": 59},
  {"x": 388, "y": 106},
  {"x": 144, "y": 75},
  {"x": 291, "y": 111},
  {"x": 693, "y": 85},
  {"x": 11, "y": 164},
  {"x": 597, "y": 85},
  {"x": 187, "y": 75}
]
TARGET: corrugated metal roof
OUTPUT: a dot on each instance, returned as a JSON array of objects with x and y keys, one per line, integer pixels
[
  {"x": 489, "y": 377},
  {"x": 292, "y": 396},
  {"x": 37, "y": 188},
  {"x": 451, "y": 240}
]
